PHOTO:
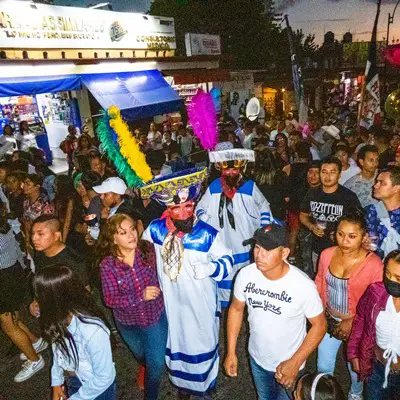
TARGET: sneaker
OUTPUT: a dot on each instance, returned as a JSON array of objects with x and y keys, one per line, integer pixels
[
  {"x": 355, "y": 396},
  {"x": 39, "y": 346},
  {"x": 29, "y": 368},
  {"x": 140, "y": 377}
]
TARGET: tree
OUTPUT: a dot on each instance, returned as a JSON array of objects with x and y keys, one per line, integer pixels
[
  {"x": 243, "y": 25},
  {"x": 249, "y": 30}
]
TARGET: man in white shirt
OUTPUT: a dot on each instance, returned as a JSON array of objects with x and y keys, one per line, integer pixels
[
  {"x": 349, "y": 167},
  {"x": 280, "y": 127},
  {"x": 249, "y": 134},
  {"x": 280, "y": 299},
  {"x": 362, "y": 183}
]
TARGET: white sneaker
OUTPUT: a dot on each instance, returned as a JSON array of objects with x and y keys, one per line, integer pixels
[
  {"x": 355, "y": 396},
  {"x": 39, "y": 346},
  {"x": 29, "y": 368}
]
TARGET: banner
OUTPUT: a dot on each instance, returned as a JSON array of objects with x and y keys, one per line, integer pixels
[
  {"x": 355, "y": 54},
  {"x": 297, "y": 79},
  {"x": 198, "y": 44},
  {"x": 28, "y": 25}
]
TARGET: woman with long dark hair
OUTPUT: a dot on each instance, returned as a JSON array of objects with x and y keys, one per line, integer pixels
[
  {"x": 64, "y": 202},
  {"x": 344, "y": 273},
  {"x": 282, "y": 150},
  {"x": 25, "y": 137},
  {"x": 374, "y": 344},
  {"x": 131, "y": 289},
  {"x": 71, "y": 322},
  {"x": 272, "y": 182},
  {"x": 81, "y": 154}
]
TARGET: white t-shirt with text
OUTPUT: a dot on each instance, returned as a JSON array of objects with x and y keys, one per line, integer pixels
[{"x": 278, "y": 311}]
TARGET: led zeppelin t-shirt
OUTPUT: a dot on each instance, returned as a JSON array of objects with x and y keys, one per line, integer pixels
[
  {"x": 277, "y": 312},
  {"x": 328, "y": 207}
]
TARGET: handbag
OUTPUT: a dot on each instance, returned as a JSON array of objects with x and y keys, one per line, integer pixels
[{"x": 332, "y": 324}]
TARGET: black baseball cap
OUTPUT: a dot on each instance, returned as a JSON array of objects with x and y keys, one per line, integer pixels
[{"x": 269, "y": 237}]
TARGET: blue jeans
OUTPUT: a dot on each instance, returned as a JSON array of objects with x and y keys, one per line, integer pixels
[
  {"x": 327, "y": 352},
  {"x": 267, "y": 386},
  {"x": 73, "y": 384},
  {"x": 148, "y": 346},
  {"x": 375, "y": 390}
]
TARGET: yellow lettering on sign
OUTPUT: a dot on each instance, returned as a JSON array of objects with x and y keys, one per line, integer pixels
[{"x": 5, "y": 21}]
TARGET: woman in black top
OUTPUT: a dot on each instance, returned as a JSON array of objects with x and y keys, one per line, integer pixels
[
  {"x": 298, "y": 187},
  {"x": 272, "y": 182}
]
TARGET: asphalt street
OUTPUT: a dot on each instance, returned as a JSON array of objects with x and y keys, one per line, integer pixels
[{"x": 38, "y": 387}]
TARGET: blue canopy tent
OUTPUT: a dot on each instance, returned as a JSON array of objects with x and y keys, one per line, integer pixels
[
  {"x": 140, "y": 94},
  {"x": 20, "y": 86}
]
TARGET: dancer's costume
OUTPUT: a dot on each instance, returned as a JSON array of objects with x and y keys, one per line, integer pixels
[
  {"x": 236, "y": 214},
  {"x": 189, "y": 267}
]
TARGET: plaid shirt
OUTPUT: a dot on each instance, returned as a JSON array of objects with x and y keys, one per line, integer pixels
[
  {"x": 123, "y": 288},
  {"x": 39, "y": 207}
]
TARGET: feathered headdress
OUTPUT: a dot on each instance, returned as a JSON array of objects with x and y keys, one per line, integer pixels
[
  {"x": 111, "y": 149},
  {"x": 129, "y": 146},
  {"x": 203, "y": 118},
  {"x": 175, "y": 188}
]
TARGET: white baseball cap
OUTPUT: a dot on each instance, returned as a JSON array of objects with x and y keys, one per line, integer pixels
[
  {"x": 114, "y": 185},
  {"x": 333, "y": 131}
]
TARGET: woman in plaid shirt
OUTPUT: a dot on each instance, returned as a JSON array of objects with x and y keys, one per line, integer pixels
[{"x": 131, "y": 289}]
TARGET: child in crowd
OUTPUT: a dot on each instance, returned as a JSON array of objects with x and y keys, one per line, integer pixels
[{"x": 317, "y": 386}]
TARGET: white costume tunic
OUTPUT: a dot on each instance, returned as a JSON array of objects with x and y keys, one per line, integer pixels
[
  {"x": 192, "y": 306},
  {"x": 250, "y": 210}
]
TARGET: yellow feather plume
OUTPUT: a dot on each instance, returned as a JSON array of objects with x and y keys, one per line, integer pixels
[{"x": 129, "y": 146}]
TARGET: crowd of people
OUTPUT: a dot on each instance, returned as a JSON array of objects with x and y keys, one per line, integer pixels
[{"x": 295, "y": 226}]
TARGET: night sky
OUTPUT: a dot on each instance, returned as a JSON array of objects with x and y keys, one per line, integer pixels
[{"x": 313, "y": 16}]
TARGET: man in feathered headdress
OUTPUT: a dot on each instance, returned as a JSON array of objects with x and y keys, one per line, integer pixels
[
  {"x": 236, "y": 207},
  {"x": 191, "y": 258}
]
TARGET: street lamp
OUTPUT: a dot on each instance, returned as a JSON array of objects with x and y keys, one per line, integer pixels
[{"x": 390, "y": 21}]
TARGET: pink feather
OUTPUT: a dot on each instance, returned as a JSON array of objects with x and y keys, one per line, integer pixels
[{"x": 203, "y": 118}]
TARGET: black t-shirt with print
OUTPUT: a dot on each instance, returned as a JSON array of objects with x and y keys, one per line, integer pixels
[{"x": 328, "y": 207}]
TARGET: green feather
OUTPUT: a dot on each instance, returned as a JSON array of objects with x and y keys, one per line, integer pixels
[{"x": 113, "y": 153}]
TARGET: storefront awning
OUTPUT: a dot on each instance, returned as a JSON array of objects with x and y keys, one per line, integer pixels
[
  {"x": 139, "y": 94},
  {"x": 20, "y": 86}
]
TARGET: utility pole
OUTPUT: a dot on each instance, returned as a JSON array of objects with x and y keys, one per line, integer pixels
[{"x": 390, "y": 21}]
